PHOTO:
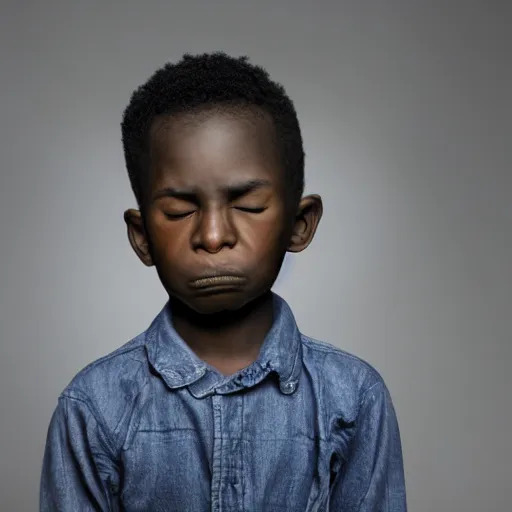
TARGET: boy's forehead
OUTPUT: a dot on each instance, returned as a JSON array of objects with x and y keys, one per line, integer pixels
[
  {"x": 214, "y": 145},
  {"x": 244, "y": 127}
]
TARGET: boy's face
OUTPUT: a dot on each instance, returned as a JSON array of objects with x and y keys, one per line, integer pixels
[{"x": 216, "y": 223}]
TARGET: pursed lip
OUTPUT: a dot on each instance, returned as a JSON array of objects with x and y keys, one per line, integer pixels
[{"x": 217, "y": 279}]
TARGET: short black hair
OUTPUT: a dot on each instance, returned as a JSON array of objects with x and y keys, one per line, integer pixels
[{"x": 209, "y": 80}]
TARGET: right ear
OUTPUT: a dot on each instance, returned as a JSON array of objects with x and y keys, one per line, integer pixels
[{"x": 138, "y": 236}]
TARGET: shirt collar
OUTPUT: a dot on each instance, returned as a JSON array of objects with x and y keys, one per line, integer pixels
[{"x": 179, "y": 366}]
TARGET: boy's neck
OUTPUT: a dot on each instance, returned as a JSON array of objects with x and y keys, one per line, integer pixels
[{"x": 228, "y": 341}]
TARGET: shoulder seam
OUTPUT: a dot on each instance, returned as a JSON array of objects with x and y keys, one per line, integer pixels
[
  {"x": 324, "y": 347},
  {"x": 118, "y": 352},
  {"x": 319, "y": 346}
]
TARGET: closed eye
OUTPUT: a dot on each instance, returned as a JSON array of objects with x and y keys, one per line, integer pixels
[
  {"x": 177, "y": 216},
  {"x": 250, "y": 210}
]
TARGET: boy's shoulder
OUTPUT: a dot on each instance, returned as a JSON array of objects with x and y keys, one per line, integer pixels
[
  {"x": 346, "y": 379},
  {"x": 124, "y": 363},
  {"x": 108, "y": 387},
  {"x": 337, "y": 360}
]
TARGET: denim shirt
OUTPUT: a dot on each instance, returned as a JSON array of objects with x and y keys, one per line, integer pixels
[{"x": 151, "y": 427}]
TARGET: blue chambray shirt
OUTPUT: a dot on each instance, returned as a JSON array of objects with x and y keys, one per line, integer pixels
[{"x": 151, "y": 427}]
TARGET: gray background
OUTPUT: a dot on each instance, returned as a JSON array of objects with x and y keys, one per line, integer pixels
[{"x": 406, "y": 112}]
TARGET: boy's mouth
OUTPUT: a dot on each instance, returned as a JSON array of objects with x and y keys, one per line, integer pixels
[{"x": 218, "y": 280}]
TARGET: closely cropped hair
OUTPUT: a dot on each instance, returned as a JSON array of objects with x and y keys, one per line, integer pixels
[{"x": 210, "y": 80}]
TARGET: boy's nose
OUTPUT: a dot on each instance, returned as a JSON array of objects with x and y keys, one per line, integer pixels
[{"x": 214, "y": 232}]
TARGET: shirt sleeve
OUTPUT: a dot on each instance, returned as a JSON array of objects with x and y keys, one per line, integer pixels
[
  {"x": 79, "y": 472},
  {"x": 372, "y": 479}
]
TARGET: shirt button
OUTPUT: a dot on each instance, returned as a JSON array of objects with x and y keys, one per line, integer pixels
[{"x": 289, "y": 387}]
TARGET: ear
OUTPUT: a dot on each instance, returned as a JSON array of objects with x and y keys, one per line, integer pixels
[
  {"x": 308, "y": 216},
  {"x": 138, "y": 236}
]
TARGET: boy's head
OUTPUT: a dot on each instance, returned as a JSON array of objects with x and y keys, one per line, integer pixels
[{"x": 215, "y": 158}]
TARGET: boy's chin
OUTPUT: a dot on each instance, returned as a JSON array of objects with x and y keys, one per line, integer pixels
[
  {"x": 219, "y": 307},
  {"x": 218, "y": 304}
]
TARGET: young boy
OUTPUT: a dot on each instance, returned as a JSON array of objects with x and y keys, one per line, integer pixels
[{"x": 221, "y": 404}]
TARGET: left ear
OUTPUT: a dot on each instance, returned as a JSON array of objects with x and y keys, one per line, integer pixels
[{"x": 308, "y": 216}]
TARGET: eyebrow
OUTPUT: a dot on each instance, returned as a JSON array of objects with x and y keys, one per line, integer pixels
[{"x": 233, "y": 191}]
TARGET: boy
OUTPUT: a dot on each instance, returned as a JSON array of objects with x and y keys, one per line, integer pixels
[{"x": 222, "y": 404}]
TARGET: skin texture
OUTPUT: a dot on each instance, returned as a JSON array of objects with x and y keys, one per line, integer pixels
[{"x": 216, "y": 208}]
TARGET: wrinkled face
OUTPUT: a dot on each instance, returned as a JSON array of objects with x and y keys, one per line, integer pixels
[{"x": 216, "y": 221}]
